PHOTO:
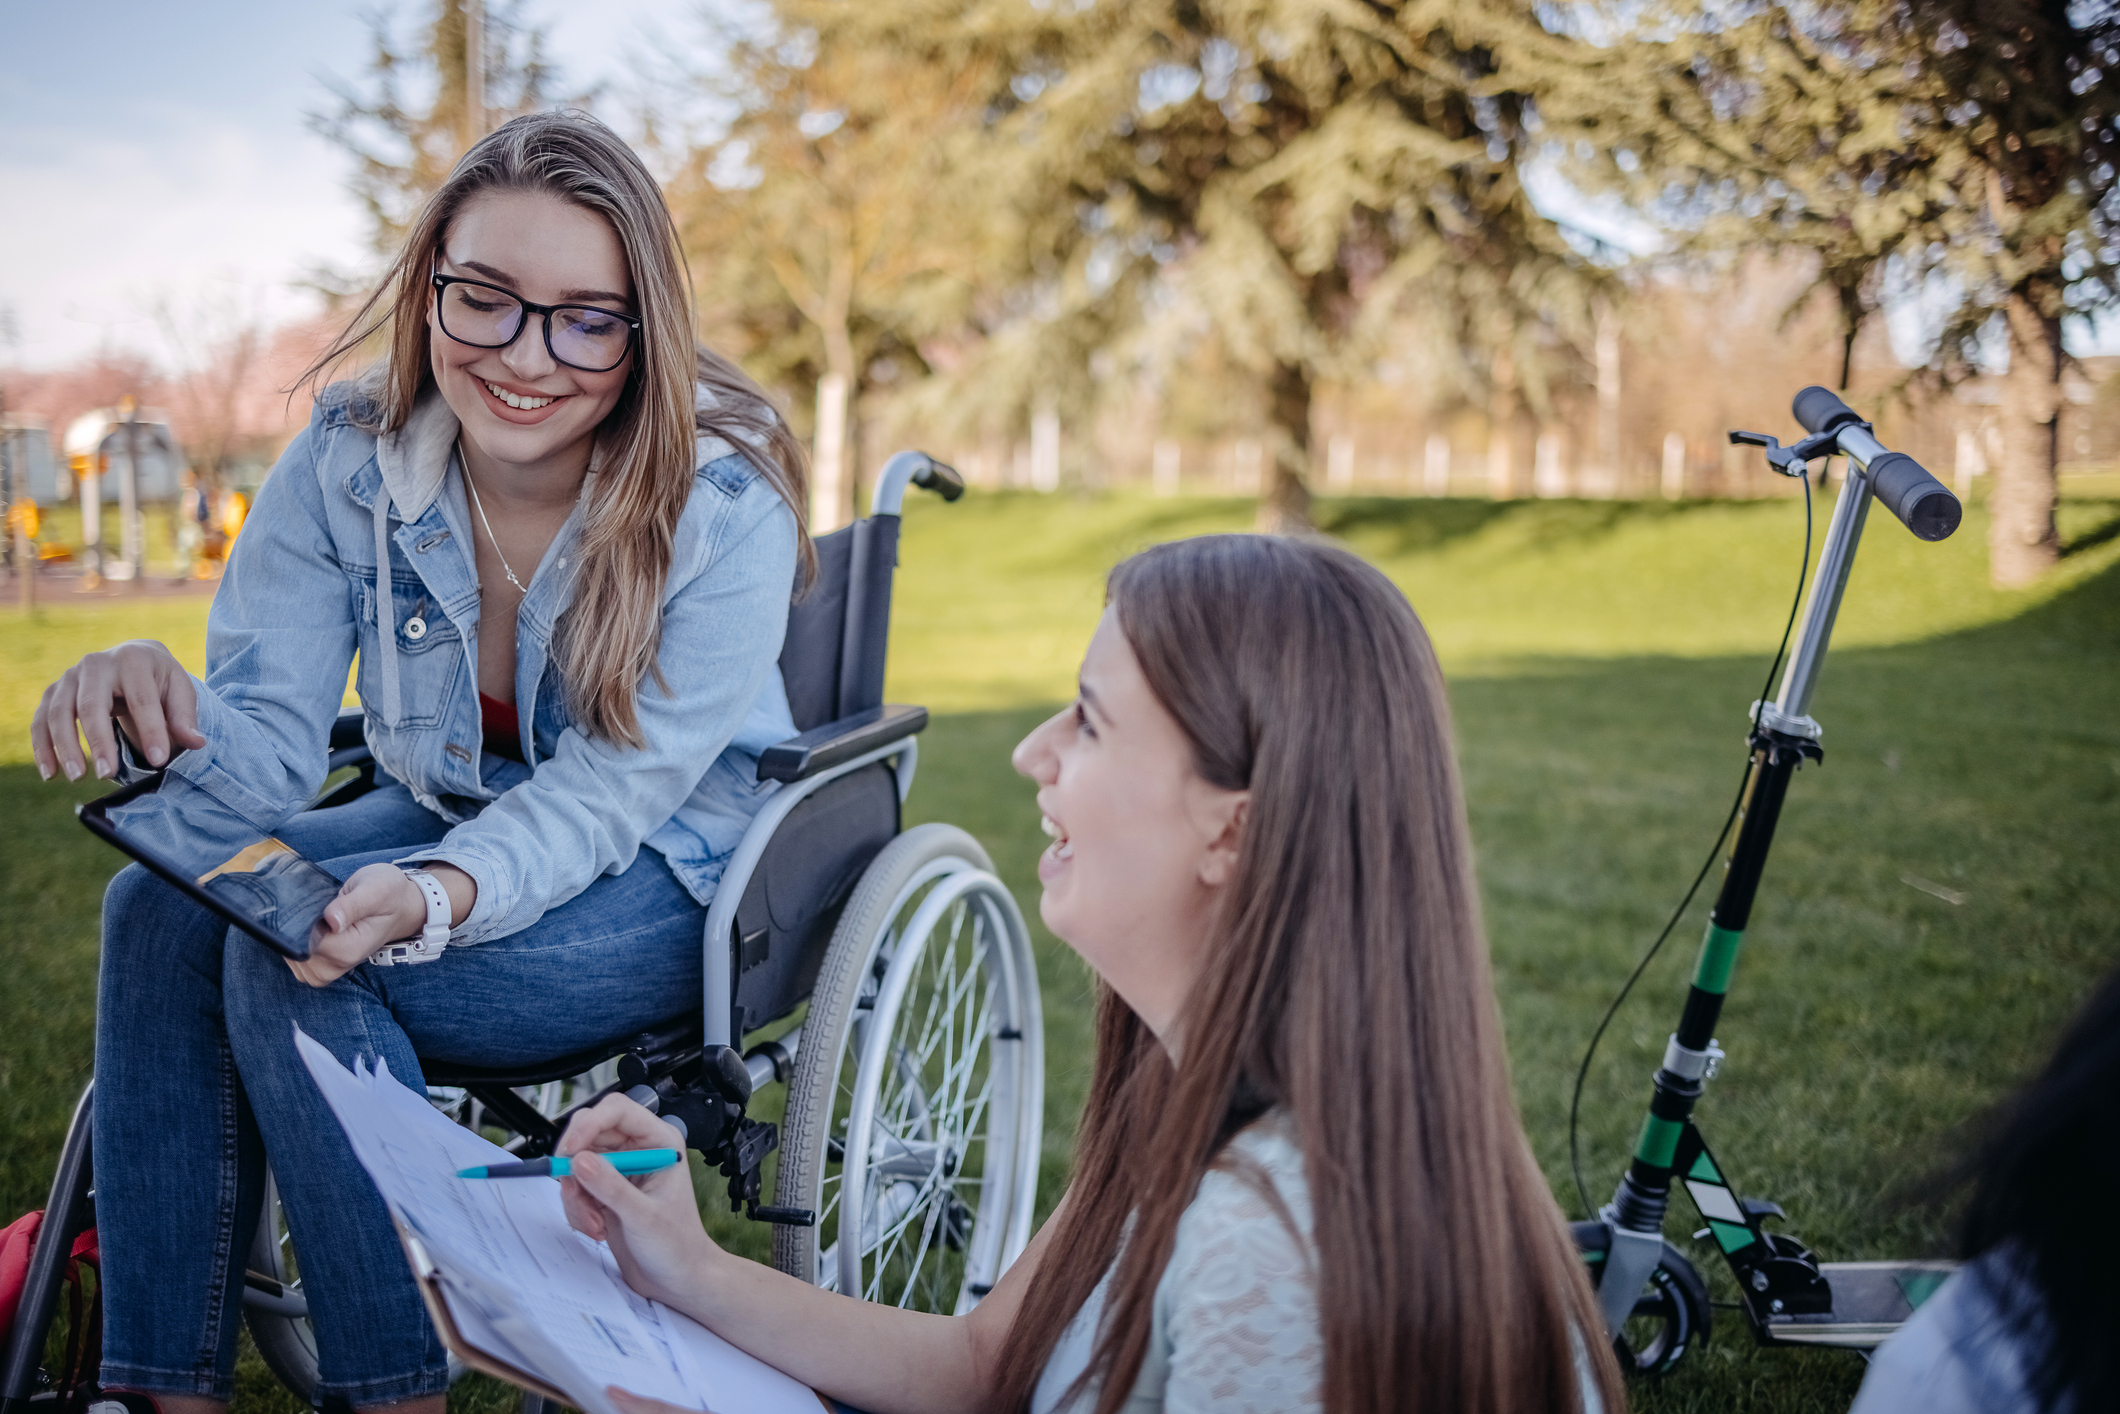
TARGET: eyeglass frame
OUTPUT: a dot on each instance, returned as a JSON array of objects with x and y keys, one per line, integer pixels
[{"x": 544, "y": 312}]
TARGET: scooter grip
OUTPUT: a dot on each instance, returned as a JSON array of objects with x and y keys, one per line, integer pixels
[
  {"x": 1820, "y": 409},
  {"x": 1923, "y": 504}
]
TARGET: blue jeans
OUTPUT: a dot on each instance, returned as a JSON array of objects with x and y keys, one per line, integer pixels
[{"x": 198, "y": 1084}]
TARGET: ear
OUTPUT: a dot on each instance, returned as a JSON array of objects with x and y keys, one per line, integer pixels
[{"x": 1221, "y": 817}]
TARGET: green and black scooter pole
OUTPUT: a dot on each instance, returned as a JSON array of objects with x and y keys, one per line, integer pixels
[{"x": 1782, "y": 1284}]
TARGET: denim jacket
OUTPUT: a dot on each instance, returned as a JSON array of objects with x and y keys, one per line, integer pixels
[{"x": 302, "y": 593}]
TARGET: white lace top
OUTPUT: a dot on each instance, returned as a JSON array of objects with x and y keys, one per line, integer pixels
[
  {"x": 1235, "y": 1323},
  {"x": 1235, "y": 1326}
]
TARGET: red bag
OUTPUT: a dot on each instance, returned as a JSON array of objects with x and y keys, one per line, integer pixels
[
  {"x": 17, "y": 1240},
  {"x": 84, "y": 1312}
]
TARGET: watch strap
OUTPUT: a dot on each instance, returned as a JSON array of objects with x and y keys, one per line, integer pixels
[{"x": 433, "y": 938}]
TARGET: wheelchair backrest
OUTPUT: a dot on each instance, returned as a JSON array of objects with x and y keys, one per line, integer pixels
[{"x": 832, "y": 659}]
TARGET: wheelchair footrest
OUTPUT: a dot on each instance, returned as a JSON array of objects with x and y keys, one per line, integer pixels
[{"x": 787, "y": 1217}]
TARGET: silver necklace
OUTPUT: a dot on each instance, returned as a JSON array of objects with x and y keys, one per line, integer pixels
[{"x": 480, "y": 506}]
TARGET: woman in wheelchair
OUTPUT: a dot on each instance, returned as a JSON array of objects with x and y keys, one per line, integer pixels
[
  {"x": 562, "y": 540},
  {"x": 1300, "y": 1182}
]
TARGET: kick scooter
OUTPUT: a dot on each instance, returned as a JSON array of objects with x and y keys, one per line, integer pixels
[{"x": 1654, "y": 1303}]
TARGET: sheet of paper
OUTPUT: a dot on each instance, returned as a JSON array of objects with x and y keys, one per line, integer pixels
[{"x": 511, "y": 1264}]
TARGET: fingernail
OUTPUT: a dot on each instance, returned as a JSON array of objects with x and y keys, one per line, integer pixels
[
  {"x": 155, "y": 757},
  {"x": 102, "y": 768},
  {"x": 73, "y": 770},
  {"x": 44, "y": 770}
]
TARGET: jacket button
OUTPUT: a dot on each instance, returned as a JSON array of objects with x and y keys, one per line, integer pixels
[{"x": 415, "y": 628}]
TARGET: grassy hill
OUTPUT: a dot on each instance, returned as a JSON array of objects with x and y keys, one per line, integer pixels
[{"x": 1602, "y": 658}]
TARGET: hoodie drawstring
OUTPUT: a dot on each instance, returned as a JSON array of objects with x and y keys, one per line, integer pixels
[{"x": 385, "y": 611}]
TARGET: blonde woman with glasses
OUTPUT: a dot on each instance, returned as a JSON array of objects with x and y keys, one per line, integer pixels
[{"x": 561, "y": 540}]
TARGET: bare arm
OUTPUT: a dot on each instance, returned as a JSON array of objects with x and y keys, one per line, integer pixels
[{"x": 874, "y": 1357}]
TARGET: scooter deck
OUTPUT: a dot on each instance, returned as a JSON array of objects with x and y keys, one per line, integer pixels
[{"x": 1870, "y": 1301}]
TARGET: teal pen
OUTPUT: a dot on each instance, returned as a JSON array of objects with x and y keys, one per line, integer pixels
[{"x": 624, "y": 1160}]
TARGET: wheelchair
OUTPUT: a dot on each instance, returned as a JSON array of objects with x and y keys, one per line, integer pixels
[{"x": 882, "y": 976}]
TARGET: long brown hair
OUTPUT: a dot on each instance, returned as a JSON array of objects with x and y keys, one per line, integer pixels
[
  {"x": 675, "y": 390},
  {"x": 1348, "y": 983}
]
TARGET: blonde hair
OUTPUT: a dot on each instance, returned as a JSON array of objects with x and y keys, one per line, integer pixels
[{"x": 608, "y": 639}]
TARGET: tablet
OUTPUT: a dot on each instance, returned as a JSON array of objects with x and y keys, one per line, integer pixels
[{"x": 266, "y": 888}]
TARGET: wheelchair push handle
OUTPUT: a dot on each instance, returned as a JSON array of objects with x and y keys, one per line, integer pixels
[
  {"x": 1923, "y": 504},
  {"x": 945, "y": 481},
  {"x": 913, "y": 469}
]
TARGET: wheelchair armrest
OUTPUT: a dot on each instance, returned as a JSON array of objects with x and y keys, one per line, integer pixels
[{"x": 821, "y": 748}]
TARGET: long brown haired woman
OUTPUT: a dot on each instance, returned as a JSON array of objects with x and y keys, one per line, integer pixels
[{"x": 1300, "y": 1181}]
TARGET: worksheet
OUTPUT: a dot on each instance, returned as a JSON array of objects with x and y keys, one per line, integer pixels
[{"x": 521, "y": 1284}]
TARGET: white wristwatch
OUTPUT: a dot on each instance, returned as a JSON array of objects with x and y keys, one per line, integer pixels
[{"x": 434, "y": 938}]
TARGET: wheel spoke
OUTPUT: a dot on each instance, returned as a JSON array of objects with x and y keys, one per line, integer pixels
[{"x": 924, "y": 1157}]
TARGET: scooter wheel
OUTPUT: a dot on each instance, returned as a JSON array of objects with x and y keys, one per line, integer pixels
[{"x": 1671, "y": 1314}]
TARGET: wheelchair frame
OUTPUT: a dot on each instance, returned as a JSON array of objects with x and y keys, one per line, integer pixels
[{"x": 690, "y": 1070}]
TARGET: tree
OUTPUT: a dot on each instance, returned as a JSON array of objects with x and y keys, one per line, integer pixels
[
  {"x": 1298, "y": 176},
  {"x": 812, "y": 225},
  {"x": 219, "y": 342},
  {"x": 416, "y": 113},
  {"x": 1975, "y": 142}
]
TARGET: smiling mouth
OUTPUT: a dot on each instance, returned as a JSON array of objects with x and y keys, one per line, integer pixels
[
  {"x": 517, "y": 401},
  {"x": 1062, "y": 847}
]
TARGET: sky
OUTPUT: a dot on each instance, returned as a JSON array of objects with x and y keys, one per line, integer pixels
[{"x": 157, "y": 152}]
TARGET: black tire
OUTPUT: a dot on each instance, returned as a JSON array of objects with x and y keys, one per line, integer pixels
[
  {"x": 1671, "y": 1314},
  {"x": 279, "y": 1320}
]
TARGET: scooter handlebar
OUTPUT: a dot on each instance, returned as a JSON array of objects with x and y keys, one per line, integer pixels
[
  {"x": 1923, "y": 504},
  {"x": 1820, "y": 409}
]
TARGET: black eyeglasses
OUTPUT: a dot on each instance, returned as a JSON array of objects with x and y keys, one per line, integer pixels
[{"x": 489, "y": 317}]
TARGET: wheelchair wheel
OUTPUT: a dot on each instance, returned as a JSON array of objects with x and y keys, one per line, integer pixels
[
  {"x": 276, "y": 1310},
  {"x": 914, "y": 1114},
  {"x": 279, "y": 1318}
]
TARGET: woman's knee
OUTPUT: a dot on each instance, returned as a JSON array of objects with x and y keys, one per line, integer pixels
[
  {"x": 262, "y": 994},
  {"x": 146, "y": 922},
  {"x": 256, "y": 982}
]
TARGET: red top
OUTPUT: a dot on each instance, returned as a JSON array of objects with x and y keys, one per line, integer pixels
[{"x": 504, "y": 736}]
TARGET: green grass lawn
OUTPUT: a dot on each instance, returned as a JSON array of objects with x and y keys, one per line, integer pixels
[{"x": 1602, "y": 657}]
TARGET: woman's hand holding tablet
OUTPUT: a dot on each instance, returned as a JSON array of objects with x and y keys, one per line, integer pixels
[{"x": 374, "y": 908}]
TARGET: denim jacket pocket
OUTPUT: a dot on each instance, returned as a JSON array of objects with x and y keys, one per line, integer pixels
[
  {"x": 734, "y": 778},
  {"x": 430, "y": 650}
]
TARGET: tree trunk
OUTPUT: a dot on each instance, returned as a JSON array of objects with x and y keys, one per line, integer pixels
[
  {"x": 832, "y": 457},
  {"x": 1608, "y": 392},
  {"x": 1284, "y": 509},
  {"x": 1502, "y": 405},
  {"x": 828, "y": 457},
  {"x": 2022, "y": 541},
  {"x": 1850, "y": 325},
  {"x": 474, "y": 71}
]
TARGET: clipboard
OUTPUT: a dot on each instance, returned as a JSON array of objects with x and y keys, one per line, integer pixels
[
  {"x": 524, "y": 1289},
  {"x": 429, "y": 1280}
]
